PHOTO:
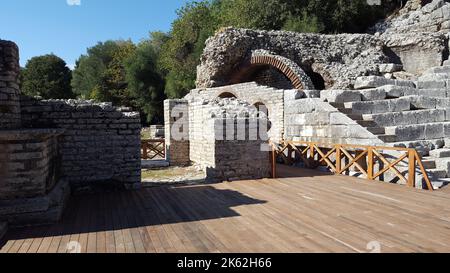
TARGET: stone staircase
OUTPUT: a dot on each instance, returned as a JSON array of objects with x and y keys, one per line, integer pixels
[{"x": 402, "y": 113}]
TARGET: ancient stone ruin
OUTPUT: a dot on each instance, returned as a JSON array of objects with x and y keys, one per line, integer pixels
[
  {"x": 49, "y": 148},
  {"x": 389, "y": 87},
  {"x": 386, "y": 88}
]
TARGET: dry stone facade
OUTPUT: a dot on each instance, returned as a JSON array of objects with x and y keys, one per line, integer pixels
[
  {"x": 176, "y": 117},
  {"x": 9, "y": 88},
  {"x": 48, "y": 148},
  {"x": 100, "y": 143},
  {"x": 336, "y": 60},
  {"x": 418, "y": 36},
  {"x": 226, "y": 139},
  {"x": 253, "y": 94}
]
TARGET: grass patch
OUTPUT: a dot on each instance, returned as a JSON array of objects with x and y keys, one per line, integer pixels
[
  {"x": 163, "y": 174},
  {"x": 145, "y": 134}
]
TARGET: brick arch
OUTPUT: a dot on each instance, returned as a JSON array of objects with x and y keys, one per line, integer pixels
[
  {"x": 293, "y": 72},
  {"x": 226, "y": 94}
]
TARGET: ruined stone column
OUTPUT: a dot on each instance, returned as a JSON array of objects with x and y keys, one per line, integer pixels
[
  {"x": 176, "y": 116},
  {"x": 9, "y": 86}
]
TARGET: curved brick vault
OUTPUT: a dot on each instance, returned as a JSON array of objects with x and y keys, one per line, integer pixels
[{"x": 262, "y": 58}]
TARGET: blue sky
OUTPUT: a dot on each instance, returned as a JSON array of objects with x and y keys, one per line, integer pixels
[{"x": 67, "y": 27}]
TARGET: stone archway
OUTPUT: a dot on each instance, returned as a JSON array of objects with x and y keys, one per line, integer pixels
[
  {"x": 227, "y": 95},
  {"x": 261, "y": 59}
]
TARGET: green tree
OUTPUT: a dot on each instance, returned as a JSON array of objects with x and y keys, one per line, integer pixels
[
  {"x": 255, "y": 14},
  {"x": 90, "y": 68},
  {"x": 48, "y": 77},
  {"x": 112, "y": 85},
  {"x": 181, "y": 53},
  {"x": 304, "y": 24},
  {"x": 145, "y": 83}
]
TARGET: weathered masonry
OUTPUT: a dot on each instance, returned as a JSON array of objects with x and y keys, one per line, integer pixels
[
  {"x": 50, "y": 148},
  {"x": 387, "y": 88}
]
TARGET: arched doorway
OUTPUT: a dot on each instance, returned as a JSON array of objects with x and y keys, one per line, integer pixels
[{"x": 271, "y": 70}]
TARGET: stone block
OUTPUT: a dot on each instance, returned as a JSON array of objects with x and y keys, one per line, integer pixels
[
  {"x": 407, "y": 132},
  {"x": 390, "y": 68},
  {"x": 340, "y": 96},
  {"x": 431, "y": 84},
  {"x": 373, "y": 94},
  {"x": 376, "y": 81},
  {"x": 433, "y": 131}
]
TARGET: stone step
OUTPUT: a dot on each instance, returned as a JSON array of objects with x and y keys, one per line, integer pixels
[
  {"x": 356, "y": 117},
  {"x": 434, "y": 77},
  {"x": 367, "y": 123},
  {"x": 442, "y": 84},
  {"x": 429, "y": 163},
  {"x": 407, "y": 117},
  {"x": 423, "y": 147},
  {"x": 340, "y": 96},
  {"x": 338, "y": 105},
  {"x": 388, "y": 138},
  {"x": 439, "y": 69},
  {"x": 416, "y": 132},
  {"x": 347, "y": 111},
  {"x": 376, "y": 130},
  {"x": 440, "y": 153},
  {"x": 377, "y": 81},
  {"x": 440, "y": 183},
  {"x": 435, "y": 174},
  {"x": 380, "y": 106},
  {"x": 443, "y": 163}
]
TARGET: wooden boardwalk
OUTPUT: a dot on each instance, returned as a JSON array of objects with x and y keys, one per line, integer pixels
[{"x": 305, "y": 211}]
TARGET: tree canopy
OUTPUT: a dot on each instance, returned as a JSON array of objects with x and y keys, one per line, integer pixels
[
  {"x": 145, "y": 83},
  {"x": 48, "y": 77}
]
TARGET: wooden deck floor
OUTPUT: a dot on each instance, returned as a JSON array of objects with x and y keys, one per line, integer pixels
[{"x": 312, "y": 213}]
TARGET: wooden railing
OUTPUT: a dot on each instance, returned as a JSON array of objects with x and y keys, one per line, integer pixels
[
  {"x": 153, "y": 148},
  {"x": 371, "y": 161}
]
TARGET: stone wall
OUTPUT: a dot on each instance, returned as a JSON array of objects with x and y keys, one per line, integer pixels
[
  {"x": 252, "y": 93},
  {"x": 416, "y": 18},
  {"x": 418, "y": 36},
  {"x": 100, "y": 143},
  {"x": 9, "y": 86},
  {"x": 318, "y": 121},
  {"x": 29, "y": 163},
  {"x": 226, "y": 139},
  {"x": 176, "y": 117},
  {"x": 339, "y": 59}
]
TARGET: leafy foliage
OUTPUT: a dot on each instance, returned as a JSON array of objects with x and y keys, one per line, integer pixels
[
  {"x": 145, "y": 84},
  {"x": 48, "y": 77},
  {"x": 181, "y": 54},
  {"x": 90, "y": 68}
]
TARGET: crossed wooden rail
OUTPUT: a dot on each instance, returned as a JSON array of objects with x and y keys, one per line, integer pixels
[
  {"x": 152, "y": 148},
  {"x": 340, "y": 158}
]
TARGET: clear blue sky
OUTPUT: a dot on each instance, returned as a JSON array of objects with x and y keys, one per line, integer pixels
[{"x": 66, "y": 29}]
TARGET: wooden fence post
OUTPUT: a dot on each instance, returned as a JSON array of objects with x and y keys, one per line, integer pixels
[
  {"x": 412, "y": 168},
  {"x": 145, "y": 150},
  {"x": 338, "y": 159},
  {"x": 370, "y": 163},
  {"x": 274, "y": 162}
]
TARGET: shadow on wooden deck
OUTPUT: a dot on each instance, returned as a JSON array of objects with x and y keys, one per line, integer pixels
[{"x": 147, "y": 207}]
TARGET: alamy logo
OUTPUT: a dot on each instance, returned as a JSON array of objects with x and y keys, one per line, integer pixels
[{"x": 73, "y": 247}]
